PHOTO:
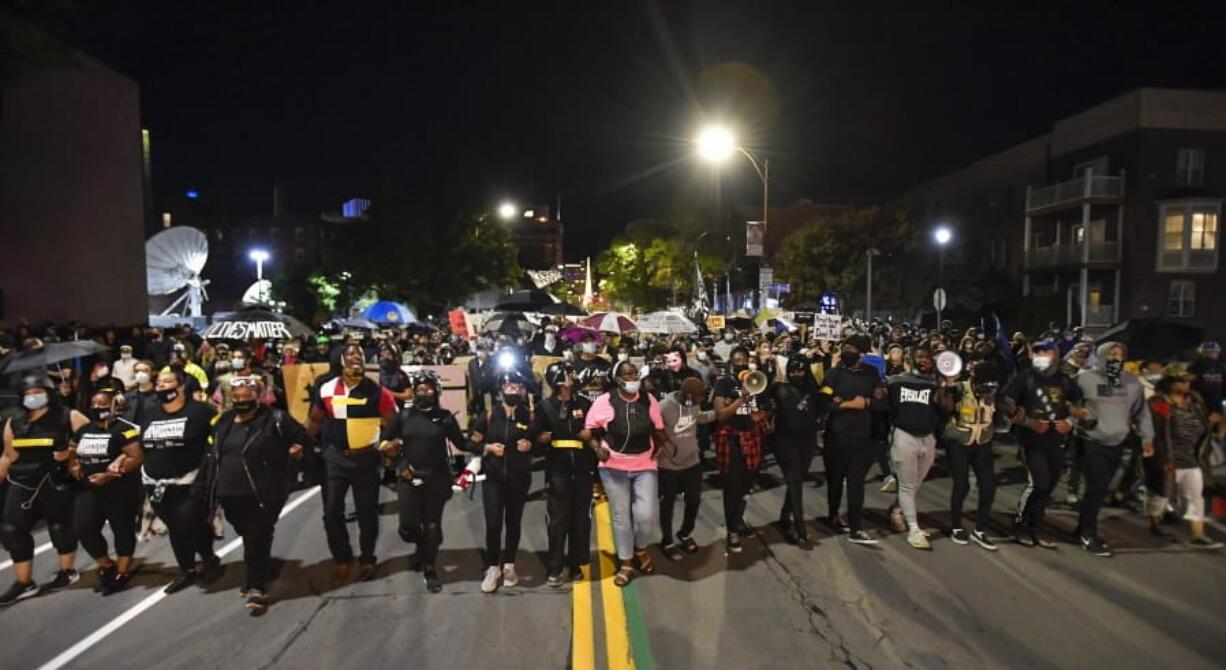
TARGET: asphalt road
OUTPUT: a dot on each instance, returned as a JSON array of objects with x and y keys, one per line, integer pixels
[{"x": 775, "y": 605}]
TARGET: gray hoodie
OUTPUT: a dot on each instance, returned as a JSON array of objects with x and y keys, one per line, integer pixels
[
  {"x": 1119, "y": 407},
  {"x": 681, "y": 422}
]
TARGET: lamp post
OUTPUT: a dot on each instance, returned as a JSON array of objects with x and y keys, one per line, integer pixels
[
  {"x": 942, "y": 235},
  {"x": 259, "y": 256},
  {"x": 507, "y": 211},
  {"x": 716, "y": 144},
  {"x": 868, "y": 285}
]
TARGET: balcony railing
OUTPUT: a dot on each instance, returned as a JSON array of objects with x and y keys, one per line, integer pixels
[
  {"x": 1098, "y": 316},
  {"x": 1072, "y": 255},
  {"x": 1075, "y": 190}
]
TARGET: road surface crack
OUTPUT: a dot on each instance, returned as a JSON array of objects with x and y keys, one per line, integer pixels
[{"x": 324, "y": 602}]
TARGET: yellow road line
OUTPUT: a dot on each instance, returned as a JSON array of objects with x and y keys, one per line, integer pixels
[
  {"x": 617, "y": 634},
  {"x": 582, "y": 649}
]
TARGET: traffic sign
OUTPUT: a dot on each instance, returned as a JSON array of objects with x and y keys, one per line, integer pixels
[{"x": 938, "y": 299}]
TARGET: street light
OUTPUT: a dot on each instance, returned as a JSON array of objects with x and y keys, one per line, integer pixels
[
  {"x": 942, "y": 235},
  {"x": 507, "y": 210},
  {"x": 716, "y": 144},
  {"x": 259, "y": 256},
  {"x": 868, "y": 284}
]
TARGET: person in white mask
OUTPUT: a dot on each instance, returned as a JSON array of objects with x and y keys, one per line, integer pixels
[{"x": 124, "y": 369}]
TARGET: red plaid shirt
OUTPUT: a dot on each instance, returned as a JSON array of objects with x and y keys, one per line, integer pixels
[{"x": 751, "y": 446}]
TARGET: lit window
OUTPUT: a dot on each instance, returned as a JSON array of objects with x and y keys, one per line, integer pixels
[
  {"x": 1172, "y": 231},
  {"x": 1204, "y": 231},
  {"x": 1182, "y": 298},
  {"x": 1188, "y": 237}
]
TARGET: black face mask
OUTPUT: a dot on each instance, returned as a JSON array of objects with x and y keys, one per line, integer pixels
[
  {"x": 168, "y": 395},
  {"x": 244, "y": 406},
  {"x": 513, "y": 399},
  {"x": 100, "y": 414},
  {"x": 850, "y": 358},
  {"x": 424, "y": 401},
  {"x": 388, "y": 363},
  {"x": 1114, "y": 367}
]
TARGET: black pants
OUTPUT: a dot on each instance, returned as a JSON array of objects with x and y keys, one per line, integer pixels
[
  {"x": 847, "y": 459},
  {"x": 117, "y": 503},
  {"x": 255, "y": 524},
  {"x": 1098, "y": 464},
  {"x": 503, "y": 500},
  {"x": 962, "y": 459},
  {"x": 421, "y": 514},
  {"x": 1044, "y": 462},
  {"x": 794, "y": 457},
  {"x": 1132, "y": 465},
  {"x": 737, "y": 481},
  {"x": 568, "y": 506},
  {"x": 22, "y": 509},
  {"x": 187, "y": 523},
  {"x": 688, "y": 483},
  {"x": 364, "y": 479}
]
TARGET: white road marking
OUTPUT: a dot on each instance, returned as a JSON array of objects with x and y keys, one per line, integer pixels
[
  {"x": 5, "y": 565},
  {"x": 118, "y": 622}
]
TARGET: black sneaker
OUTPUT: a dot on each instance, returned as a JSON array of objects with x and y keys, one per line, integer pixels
[
  {"x": 837, "y": 524},
  {"x": 860, "y": 537},
  {"x": 430, "y": 575},
  {"x": 184, "y": 580},
  {"x": 790, "y": 536},
  {"x": 105, "y": 575},
  {"x": 687, "y": 543},
  {"x": 118, "y": 583},
  {"x": 672, "y": 551},
  {"x": 63, "y": 579},
  {"x": 1095, "y": 546},
  {"x": 558, "y": 579},
  {"x": 981, "y": 538},
  {"x": 960, "y": 536},
  {"x": 211, "y": 570},
  {"x": 18, "y": 591},
  {"x": 1204, "y": 543},
  {"x": 576, "y": 574},
  {"x": 257, "y": 602},
  {"x": 733, "y": 543}
]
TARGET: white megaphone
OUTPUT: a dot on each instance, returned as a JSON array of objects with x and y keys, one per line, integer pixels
[
  {"x": 949, "y": 363},
  {"x": 471, "y": 474}
]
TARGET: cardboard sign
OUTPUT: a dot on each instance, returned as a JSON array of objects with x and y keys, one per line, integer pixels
[
  {"x": 298, "y": 380},
  {"x": 828, "y": 326},
  {"x": 715, "y": 322},
  {"x": 459, "y": 323}
]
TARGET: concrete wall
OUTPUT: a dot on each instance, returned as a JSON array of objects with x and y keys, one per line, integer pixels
[{"x": 71, "y": 203}]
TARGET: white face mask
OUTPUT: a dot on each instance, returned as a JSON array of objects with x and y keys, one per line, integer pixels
[
  {"x": 568, "y": 355},
  {"x": 702, "y": 355},
  {"x": 622, "y": 357},
  {"x": 588, "y": 347},
  {"x": 142, "y": 377},
  {"x": 238, "y": 363},
  {"x": 550, "y": 340},
  {"x": 631, "y": 387},
  {"x": 37, "y": 401},
  {"x": 125, "y": 355},
  {"x": 728, "y": 337},
  {"x": 1041, "y": 363}
]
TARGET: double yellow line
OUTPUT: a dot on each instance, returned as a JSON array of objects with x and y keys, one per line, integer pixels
[{"x": 619, "y": 646}]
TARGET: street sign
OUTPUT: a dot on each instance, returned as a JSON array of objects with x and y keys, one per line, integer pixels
[
  {"x": 828, "y": 326},
  {"x": 715, "y": 322},
  {"x": 938, "y": 299},
  {"x": 780, "y": 289},
  {"x": 766, "y": 275},
  {"x": 753, "y": 238}
]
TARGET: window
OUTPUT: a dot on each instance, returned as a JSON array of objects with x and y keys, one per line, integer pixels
[
  {"x": 1190, "y": 167},
  {"x": 1188, "y": 237},
  {"x": 1183, "y": 298}
]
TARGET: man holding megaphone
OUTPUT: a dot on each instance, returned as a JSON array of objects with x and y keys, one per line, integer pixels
[{"x": 741, "y": 412}]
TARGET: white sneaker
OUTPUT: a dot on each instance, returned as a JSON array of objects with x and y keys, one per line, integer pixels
[
  {"x": 918, "y": 540},
  {"x": 890, "y": 485},
  {"x": 509, "y": 576},
  {"x": 490, "y": 583}
]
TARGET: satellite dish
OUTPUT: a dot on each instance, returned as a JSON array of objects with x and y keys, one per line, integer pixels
[
  {"x": 174, "y": 259},
  {"x": 258, "y": 293}
]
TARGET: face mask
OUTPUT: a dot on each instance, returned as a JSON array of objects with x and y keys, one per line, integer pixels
[
  {"x": 728, "y": 337},
  {"x": 423, "y": 401},
  {"x": 1041, "y": 363},
  {"x": 388, "y": 363},
  {"x": 512, "y": 399},
  {"x": 850, "y": 358},
  {"x": 1114, "y": 367},
  {"x": 631, "y": 387},
  {"x": 588, "y": 347},
  {"x": 34, "y": 402},
  {"x": 623, "y": 357},
  {"x": 126, "y": 356},
  {"x": 238, "y": 363},
  {"x": 702, "y": 355},
  {"x": 244, "y": 406},
  {"x": 100, "y": 414},
  {"x": 550, "y": 340},
  {"x": 142, "y": 377},
  {"x": 689, "y": 402},
  {"x": 168, "y": 395},
  {"x": 1154, "y": 378}
]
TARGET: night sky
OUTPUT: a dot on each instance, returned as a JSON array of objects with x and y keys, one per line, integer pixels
[{"x": 597, "y": 102}]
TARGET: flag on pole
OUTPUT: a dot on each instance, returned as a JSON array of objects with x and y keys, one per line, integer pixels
[
  {"x": 700, "y": 288},
  {"x": 587, "y": 284}
]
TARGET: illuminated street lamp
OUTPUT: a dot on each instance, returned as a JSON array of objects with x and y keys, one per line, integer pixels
[
  {"x": 716, "y": 144},
  {"x": 942, "y": 235},
  {"x": 507, "y": 210}
]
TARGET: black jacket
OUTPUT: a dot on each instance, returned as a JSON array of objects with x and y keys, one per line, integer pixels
[{"x": 266, "y": 460}]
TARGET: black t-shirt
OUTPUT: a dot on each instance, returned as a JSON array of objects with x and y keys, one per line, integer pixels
[
  {"x": 1044, "y": 397},
  {"x": 913, "y": 404},
  {"x": 1208, "y": 382},
  {"x": 730, "y": 390},
  {"x": 98, "y": 447},
  {"x": 231, "y": 476},
  {"x": 795, "y": 413},
  {"x": 175, "y": 443},
  {"x": 847, "y": 383},
  {"x": 425, "y": 435}
]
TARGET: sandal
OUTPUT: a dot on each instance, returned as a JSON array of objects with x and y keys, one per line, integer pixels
[
  {"x": 645, "y": 563},
  {"x": 672, "y": 551},
  {"x": 624, "y": 575}
]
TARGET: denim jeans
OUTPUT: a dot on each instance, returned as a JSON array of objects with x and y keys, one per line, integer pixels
[{"x": 635, "y": 506}]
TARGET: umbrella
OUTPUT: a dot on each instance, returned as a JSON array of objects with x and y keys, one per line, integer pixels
[
  {"x": 360, "y": 324},
  {"x": 50, "y": 354},
  {"x": 530, "y": 300},
  {"x": 562, "y": 309},
  {"x": 421, "y": 328},
  {"x": 609, "y": 322},
  {"x": 508, "y": 323},
  {"x": 576, "y": 333},
  {"x": 740, "y": 322},
  {"x": 257, "y": 324},
  {"x": 669, "y": 323},
  {"x": 389, "y": 313},
  {"x": 1153, "y": 338}
]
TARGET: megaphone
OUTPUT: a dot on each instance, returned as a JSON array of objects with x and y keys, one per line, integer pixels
[
  {"x": 753, "y": 382},
  {"x": 949, "y": 363}
]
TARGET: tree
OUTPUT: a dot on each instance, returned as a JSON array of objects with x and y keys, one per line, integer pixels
[
  {"x": 650, "y": 263},
  {"x": 428, "y": 254}
]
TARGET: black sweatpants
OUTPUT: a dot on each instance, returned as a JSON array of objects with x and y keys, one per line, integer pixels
[
  {"x": 186, "y": 522},
  {"x": 688, "y": 483},
  {"x": 962, "y": 459},
  {"x": 847, "y": 459},
  {"x": 1098, "y": 465},
  {"x": 568, "y": 506},
  {"x": 421, "y": 514},
  {"x": 118, "y": 503},
  {"x": 737, "y": 481},
  {"x": 23, "y": 505},
  {"x": 1044, "y": 463},
  {"x": 794, "y": 458},
  {"x": 503, "y": 500},
  {"x": 363, "y": 477},
  {"x": 255, "y": 524}
]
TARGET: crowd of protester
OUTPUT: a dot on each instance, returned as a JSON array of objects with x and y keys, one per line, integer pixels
[{"x": 161, "y": 424}]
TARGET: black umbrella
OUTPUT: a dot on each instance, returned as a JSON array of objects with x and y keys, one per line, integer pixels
[
  {"x": 562, "y": 309},
  {"x": 259, "y": 324},
  {"x": 1159, "y": 339},
  {"x": 529, "y": 300},
  {"x": 510, "y": 323},
  {"x": 50, "y": 354}
]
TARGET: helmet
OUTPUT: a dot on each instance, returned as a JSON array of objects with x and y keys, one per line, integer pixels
[
  {"x": 556, "y": 374},
  {"x": 796, "y": 364},
  {"x": 32, "y": 381},
  {"x": 504, "y": 377},
  {"x": 424, "y": 377}
]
